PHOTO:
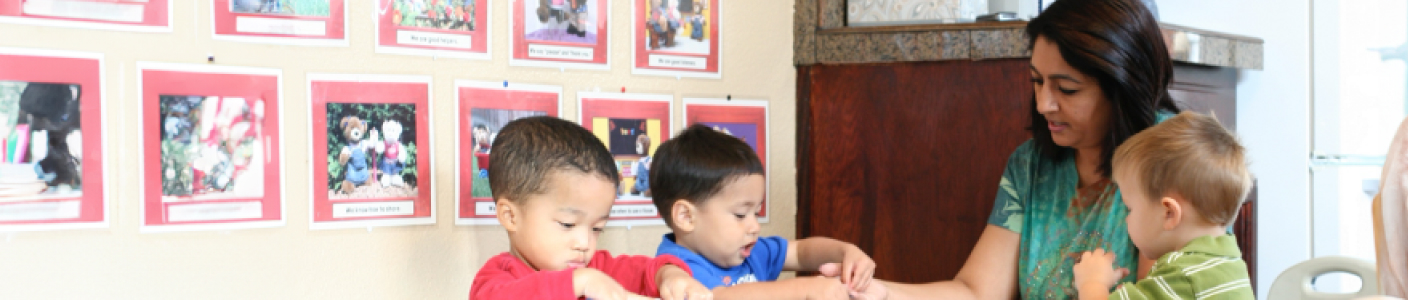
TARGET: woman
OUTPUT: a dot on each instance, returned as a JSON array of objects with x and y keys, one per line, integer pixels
[{"x": 1101, "y": 72}]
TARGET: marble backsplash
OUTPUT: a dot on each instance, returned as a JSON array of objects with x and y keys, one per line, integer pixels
[{"x": 884, "y": 12}]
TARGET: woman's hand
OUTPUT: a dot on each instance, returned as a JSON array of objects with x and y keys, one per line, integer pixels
[
  {"x": 676, "y": 284},
  {"x": 1095, "y": 274}
]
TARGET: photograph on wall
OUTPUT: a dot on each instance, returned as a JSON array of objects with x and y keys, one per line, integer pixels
[
  {"x": 51, "y": 146},
  {"x": 123, "y": 15},
  {"x": 746, "y": 120},
  {"x": 291, "y": 22},
  {"x": 211, "y": 141},
  {"x": 559, "y": 33},
  {"x": 676, "y": 38},
  {"x": 371, "y": 151},
  {"x": 631, "y": 126},
  {"x": 483, "y": 109},
  {"x": 449, "y": 28}
]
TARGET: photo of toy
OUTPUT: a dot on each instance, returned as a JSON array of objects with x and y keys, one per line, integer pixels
[{"x": 371, "y": 151}]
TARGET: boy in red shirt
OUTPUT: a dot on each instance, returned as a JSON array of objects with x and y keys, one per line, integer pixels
[{"x": 554, "y": 182}]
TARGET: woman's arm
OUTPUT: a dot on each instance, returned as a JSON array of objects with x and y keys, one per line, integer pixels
[{"x": 989, "y": 273}]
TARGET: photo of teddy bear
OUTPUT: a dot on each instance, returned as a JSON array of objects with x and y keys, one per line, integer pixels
[
  {"x": 371, "y": 151},
  {"x": 677, "y": 26},
  {"x": 41, "y": 150},
  {"x": 571, "y": 21},
  {"x": 212, "y": 147}
]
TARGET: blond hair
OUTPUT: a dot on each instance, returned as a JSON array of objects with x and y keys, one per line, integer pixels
[{"x": 1193, "y": 156}]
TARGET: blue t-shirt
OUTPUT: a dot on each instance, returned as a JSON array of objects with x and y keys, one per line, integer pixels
[{"x": 763, "y": 264}]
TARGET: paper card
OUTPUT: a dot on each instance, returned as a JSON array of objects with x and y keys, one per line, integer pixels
[
  {"x": 289, "y": 22},
  {"x": 560, "y": 33},
  {"x": 450, "y": 28},
  {"x": 676, "y": 38},
  {"x": 744, "y": 119},
  {"x": 632, "y": 126},
  {"x": 211, "y": 147},
  {"x": 371, "y": 148},
  {"x": 483, "y": 109},
  {"x": 53, "y": 175},
  {"x": 124, "y": 15}
]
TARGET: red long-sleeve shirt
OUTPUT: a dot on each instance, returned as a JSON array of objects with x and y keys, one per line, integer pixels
[{"x": 507, "y": 277}]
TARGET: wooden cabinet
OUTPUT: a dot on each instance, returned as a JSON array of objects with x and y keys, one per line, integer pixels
[{"x": 904, "y": 159}]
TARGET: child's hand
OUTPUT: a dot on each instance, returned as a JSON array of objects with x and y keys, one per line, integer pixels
[
  {"x": 676, "y": 284},
  {"x": 594, "y": 284},
  {"x": 857, "y": 269},
  {"x": 1096, "y": 269}
]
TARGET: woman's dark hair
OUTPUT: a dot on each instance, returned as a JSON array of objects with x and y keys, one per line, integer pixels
[{"x": 1118, "y": 42}]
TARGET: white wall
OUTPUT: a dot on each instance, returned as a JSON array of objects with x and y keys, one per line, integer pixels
[{"x": 1273, "y": 118}]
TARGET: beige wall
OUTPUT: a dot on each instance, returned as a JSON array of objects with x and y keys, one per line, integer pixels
[{"x": 414, "y": 262}]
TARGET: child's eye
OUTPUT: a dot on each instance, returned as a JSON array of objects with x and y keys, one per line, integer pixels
[
  {"x": 598, "y": 229},
  {"x": 567, "y": 225},
  {"x": 740, "y": 216}
]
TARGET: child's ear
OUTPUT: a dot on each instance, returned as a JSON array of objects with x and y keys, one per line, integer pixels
[
  {"x": 1173, "y": 212},
  {"x": 508, "y": 213},
  {"x": 683, "y": 215}
]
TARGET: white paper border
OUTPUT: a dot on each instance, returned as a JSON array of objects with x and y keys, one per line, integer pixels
[
  {"x": 500, "y": 85},
  {"x": 669, "y": 131},
  {"x": 107, "y": 161},
  {"x": 767, "y": 140},
  {"x": 677, "y": 74},
  {"x": 142, "y": 157},
  {"x": 563, "y": 66},
  {"x": 488, "y": 39},
  {"x": 313, "y": 224},
  {"x": 98, "y": 25},
  {"x": 279, "y": 40}
]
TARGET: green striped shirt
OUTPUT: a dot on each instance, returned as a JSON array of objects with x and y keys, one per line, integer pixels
[{"x": 1209, "y": 267}]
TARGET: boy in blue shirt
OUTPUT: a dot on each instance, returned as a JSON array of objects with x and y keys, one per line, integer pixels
[{"x": 709, "y": 187}]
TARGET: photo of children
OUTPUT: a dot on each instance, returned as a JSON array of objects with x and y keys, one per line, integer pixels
[
  {"x": 302, "y": 8},
  {"x": 212, "y": 147},
  {"x": 437, "y": 14},
  {"x": 485, "y": 124},
  {"x": 568, "y": 21},
  {"x": 126, "y": 15},
  {"x": 678, "y": 26},
  {"x": 371, "y": 151},
  {"x": 41, "y": 144},
  {"x": 630, "y": 141}
]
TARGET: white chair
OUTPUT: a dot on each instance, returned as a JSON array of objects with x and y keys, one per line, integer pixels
[{"x": 1296, "y": 282}]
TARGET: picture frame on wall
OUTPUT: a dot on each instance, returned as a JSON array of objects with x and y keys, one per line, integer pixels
[
  {"x": 676, "y": 38},
  {"x": 742, "y": 118},
  {"x": 120, "y": 15},
  {"x": 564, "y": 34},
  {"x": 445, "y": 28},
  {"x": 483, "y": 109},
  {"x": 211, "y": 147},
  {"x": 287, "y": 22},
  {"x": 53, "y": 168},
  {"x": 632, "y": 126},
  {"x": 370, "y": 141}
]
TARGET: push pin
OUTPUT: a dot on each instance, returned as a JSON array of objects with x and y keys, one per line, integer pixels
[
  {"x": 210, "y": 58},
  {"x": 505, "y": 83},
  {"x": 623, "y": 89},
  {"x": 729, "y": 97}
]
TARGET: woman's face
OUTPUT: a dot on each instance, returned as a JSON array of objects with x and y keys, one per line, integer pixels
[{"x": 1075, "y": 107}]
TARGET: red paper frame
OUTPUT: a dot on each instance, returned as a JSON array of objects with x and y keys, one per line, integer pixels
[
  {"x": 160, "y": 81},
  {"x": 86, "y": 72},
  {"x": 416, "y": 93}
]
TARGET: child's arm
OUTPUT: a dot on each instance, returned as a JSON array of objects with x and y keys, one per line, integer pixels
[
  {"x": 494, "y": 283},
  {"x": 639, "y": 274},
  {"x": 809, "y": 254},
  {"x": 676, "y": 283}
]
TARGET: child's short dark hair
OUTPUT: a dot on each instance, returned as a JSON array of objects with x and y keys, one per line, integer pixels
[
  {"x": 695, "y": 165},
  {"x": 527, "y": 150}
]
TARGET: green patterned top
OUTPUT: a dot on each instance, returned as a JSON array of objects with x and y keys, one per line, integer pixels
[{"x": 1037, "y": 201}]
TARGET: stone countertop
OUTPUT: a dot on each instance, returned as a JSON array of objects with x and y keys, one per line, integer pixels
[{"x": 996, "y": 40}]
